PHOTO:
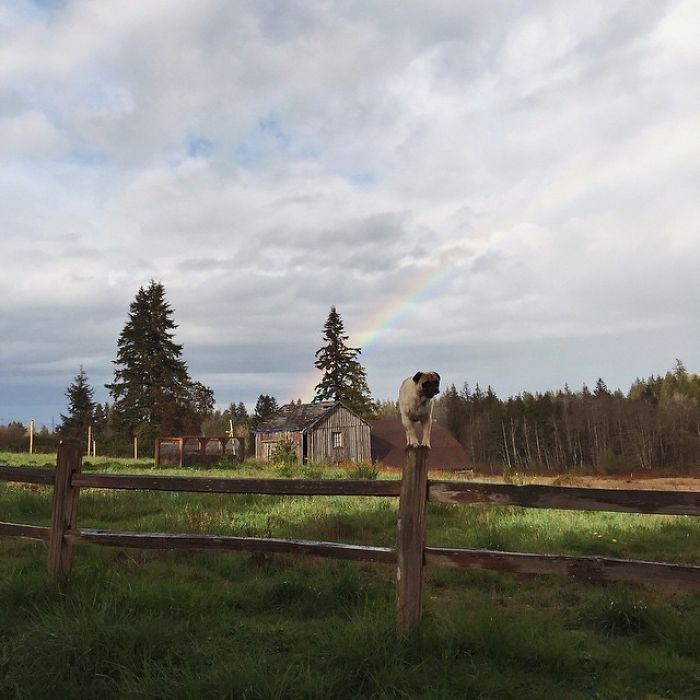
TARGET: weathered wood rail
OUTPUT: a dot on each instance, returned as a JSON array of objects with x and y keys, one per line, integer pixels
[
  {"x": 567, "y": 498},
  {"x": 411, "y": 554},
  {"x": 203, "y": 484}
]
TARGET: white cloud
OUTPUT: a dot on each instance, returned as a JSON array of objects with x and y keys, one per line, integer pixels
[
  {"x": 30, "y": 133},
  {"x": 485, "y": 172}
]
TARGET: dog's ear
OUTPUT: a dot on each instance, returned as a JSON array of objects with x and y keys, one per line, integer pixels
[
  {"x": 437, "y": 375},
  {"x": 417, "y": 376}
]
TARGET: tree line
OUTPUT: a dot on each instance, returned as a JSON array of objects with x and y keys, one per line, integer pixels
[
  {"x": 654, "y": 426},
  {"x": 343, "y": 379},
  {"x": 152, "y": 391},
  {"x": 154, "y": 395}
]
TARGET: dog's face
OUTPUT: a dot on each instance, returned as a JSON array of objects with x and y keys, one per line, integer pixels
[{"x": 427, "y": 383}]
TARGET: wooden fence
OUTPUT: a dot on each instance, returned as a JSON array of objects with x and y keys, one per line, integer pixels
[{"x": 410, "y": 555}]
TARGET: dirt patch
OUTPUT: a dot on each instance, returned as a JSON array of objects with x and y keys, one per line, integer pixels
[{"x": 660, "y": 483}]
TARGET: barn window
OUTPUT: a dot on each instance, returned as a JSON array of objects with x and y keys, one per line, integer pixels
[{"x": 337, "y": 439}]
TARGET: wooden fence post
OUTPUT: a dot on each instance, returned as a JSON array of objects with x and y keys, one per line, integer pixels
[
  {"x": 411, "y": 540},
  {"x": 64, "y": 510}
]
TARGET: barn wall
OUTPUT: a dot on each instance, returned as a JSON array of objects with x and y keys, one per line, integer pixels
[
  {"x": 355, "y": 439},
  {"x": 265, "y": 444}
]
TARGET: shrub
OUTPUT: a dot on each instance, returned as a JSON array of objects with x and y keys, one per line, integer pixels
[
  {"x": 620, "y": 614},
  {"x": 364, "y": 471},
  {"x": 512, "y": 477},
  {"x": 611, "y": 463},
  {"x": 284, "y": 454}
]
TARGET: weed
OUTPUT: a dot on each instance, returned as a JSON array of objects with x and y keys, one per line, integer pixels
[
  {"x": 512, "y": 477},
  {"x": 364, "y": 471},
  {"x": 284, "y": 454},
  {"x": 569, "y": 479},
  {"x": 288, "y": 471},
  {"x": 227, "y": 463},
  {"x": 620, "y": 613},
  {"x": 312, "y": 471}
]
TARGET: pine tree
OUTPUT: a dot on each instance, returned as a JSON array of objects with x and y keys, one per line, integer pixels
[
  {"x": 81, "y": 409},
  {"x": 601, "y": 389},
  {"x": 218, "y": 423},
  {"x": 344, "y": 378},
  {"x": 265, "y": 407},
  {"x": 240, "y": 413},
  {"x": 152, "y": 390}
]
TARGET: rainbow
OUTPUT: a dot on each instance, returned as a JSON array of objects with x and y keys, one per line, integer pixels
[
  {"x": 384, "y": 316},
  {"x": 558, "y": 193}
]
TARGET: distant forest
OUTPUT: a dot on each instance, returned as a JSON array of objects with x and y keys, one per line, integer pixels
[{"x": 655, "y": 426}]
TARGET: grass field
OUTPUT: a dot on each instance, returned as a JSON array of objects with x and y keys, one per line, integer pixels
[{"x": 142, "y": 624}]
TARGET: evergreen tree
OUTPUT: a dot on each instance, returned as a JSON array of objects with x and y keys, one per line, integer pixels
[
  {"x": 265, "y": 407},
  {"x": 152, "y": 390},
  {"x": 218, "y": 422},
  {"x": 81, "y": 409},
  {"x": 455, "y": 412},
  {"x": 386, "y": 409},
  {"x": 601, "y": 389},
  {"x": 188, "y": 417},
  {"x": 239, "y": 413},
  {"x": 654, "y": 426},
  {"x": 344, "y": 378}
]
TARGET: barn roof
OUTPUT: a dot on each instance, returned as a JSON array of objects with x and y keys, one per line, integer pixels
[
  {"x": 293, "y": 417},
  {"x": 389, "y": 446}
]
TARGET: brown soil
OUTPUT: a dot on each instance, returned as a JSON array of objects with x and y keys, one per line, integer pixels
[{"x": 633, "y": 481}]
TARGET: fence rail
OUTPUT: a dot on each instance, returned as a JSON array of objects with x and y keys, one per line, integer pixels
[
  {"x": 33, "y": 532},
  {"x": 220, "y": 543},
  {"x": 590, "y": 568},
  {"x": 411, "y": 554},
  {"x": 28, "y": 475},
  {"x": 567, "y": 498},
  {"x": 203, "y": 484}
]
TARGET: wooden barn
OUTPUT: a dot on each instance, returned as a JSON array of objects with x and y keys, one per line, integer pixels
[{"x": 320, "y": 432}]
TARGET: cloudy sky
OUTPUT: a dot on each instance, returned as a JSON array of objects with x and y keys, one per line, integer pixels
[{"x": 505, "y": 191}]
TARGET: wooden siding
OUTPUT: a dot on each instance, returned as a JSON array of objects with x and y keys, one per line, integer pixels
[
  {"x": 355, "y": 440},
  {"x": 265, "y": 443}
]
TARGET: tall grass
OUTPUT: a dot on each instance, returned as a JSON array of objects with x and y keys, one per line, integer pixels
[{"x": 144, "y": 624}]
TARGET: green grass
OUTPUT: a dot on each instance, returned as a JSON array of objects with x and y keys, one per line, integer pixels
[{"x": 145, "y": 624}]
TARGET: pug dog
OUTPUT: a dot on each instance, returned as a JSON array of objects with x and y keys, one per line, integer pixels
[{"x": 416, "y": 405}]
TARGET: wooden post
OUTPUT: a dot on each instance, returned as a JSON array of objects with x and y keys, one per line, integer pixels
[
  {"x": 411, "y": 540},
  {"x": 89, "y": 441},
  {"x": 64, "y": 510},
  {"x": 136, "y": 447},
  {"x": 31, "y": 436}
]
